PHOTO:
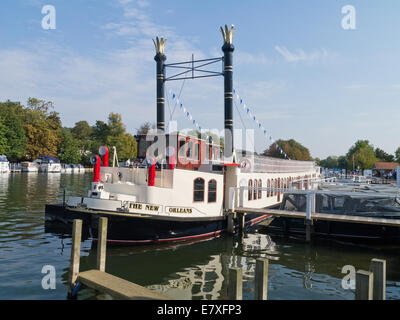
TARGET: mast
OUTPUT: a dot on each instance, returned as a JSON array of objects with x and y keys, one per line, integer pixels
[
  {"x": 228, "y": 49},
  {"x": 160, "y": 58}
]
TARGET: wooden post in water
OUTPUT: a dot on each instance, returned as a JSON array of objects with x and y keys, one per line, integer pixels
[
  {"x": 364, "y": 285},
  {"x": 235, "y": 285},
  {"x": 75, "y": 255},
  {"x": 378, "y": 268},
  {"x": 261, "y": 279},
  {"x": 230, "y": 221},
  {"x": 102, "y": 244},
  {"x": 310, "y": 208},
  {"x": 242, "y": 220}
]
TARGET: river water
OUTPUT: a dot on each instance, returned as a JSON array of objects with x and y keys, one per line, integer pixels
[{"x": 196, "y": 270}]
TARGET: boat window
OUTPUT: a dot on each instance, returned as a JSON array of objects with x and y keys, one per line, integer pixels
[
  {"x": 212, "y": 191},
  {"x": 198, "y": 190},
  {"x": 189, "y": 153},
  {"x": 255, "y": 189},
  {"x": 260, "y": 191},
  {"x": 216, "y": 155},
  {"x": 207, "y": 152},
  {"x": 250, "y": 191},
  {"x": 196, "y": 151},
  {"x": 182, "y": 148}
]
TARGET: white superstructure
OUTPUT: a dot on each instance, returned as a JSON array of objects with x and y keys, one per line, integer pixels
[{"x": 195, "y": 188}]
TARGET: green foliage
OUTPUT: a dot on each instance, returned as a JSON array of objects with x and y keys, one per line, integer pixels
[
  {"x": 69, "y": 151},
  {"x": 397, "y": 155},
  {"x": 145, "y": 128},
  {"x": 3, "y": 139},
  {"x": 13, "y": 131},
  {"x": 82, "y": 133},
  {"x": 342, "y": 162},
  {"x": 42, "y": 129},
  {"x": 363, "y": 154},
  {"x": 113, "y": 133},
  {"x": 383, "y": 156},
  {"x": 292, "y": 148},
  {"x": 28, "y": 132},
  {"x": 331, "y": 162}
]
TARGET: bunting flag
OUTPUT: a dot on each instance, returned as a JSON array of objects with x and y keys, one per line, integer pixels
[
  {"x": 186, "y": 113},
  {"x": 257, "y": 123},
  {"x": 251, "y": 116}
]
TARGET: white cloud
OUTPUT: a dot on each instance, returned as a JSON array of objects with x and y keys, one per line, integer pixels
[
  {"x": 356, "y": 86},
  {"x": 300, "y": 54}
]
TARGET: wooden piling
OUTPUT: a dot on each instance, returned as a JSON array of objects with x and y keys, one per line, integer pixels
[
  {"x": 102, "y": 244},
  {"x": 230, "y": 222},
  {"x": 378, "y": 268},
  {"x": 242, "y": 221},
  {"x": 235, "y": 285},
  {"x": 364, "y": 285},
  {"x": 75, "y": 255},
  {"x": 261, "y": 279},
  {"x": 308, "y": 230}
]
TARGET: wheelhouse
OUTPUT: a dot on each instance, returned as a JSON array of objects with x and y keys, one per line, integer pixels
[{"x": 188, "y": 152}]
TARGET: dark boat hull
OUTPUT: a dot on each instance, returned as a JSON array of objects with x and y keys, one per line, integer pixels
[
  {"x": 136, "y": 229},
  {"x": 354, "y": 232}
]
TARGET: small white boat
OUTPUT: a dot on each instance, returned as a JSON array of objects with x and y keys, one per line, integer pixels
[
  {"x": 4, "y": 164},
  {"x": 81, "y": 168},
  {"x": 74, "y": 168},
  {"x": 49, "y": 164},
  {"x": 27, "y": 166},
  {"x": 66, "y": 168}
]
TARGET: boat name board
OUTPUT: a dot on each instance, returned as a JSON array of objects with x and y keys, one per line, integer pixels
[
  {"x": 178, "y": 210},
  {"x": 145, "y": 207}
]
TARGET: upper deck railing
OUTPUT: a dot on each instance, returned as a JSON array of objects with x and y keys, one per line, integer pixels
[{"x": 273, "y": 165}]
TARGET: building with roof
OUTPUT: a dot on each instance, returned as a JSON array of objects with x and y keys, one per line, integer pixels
[{"x": 385, "y": 167}]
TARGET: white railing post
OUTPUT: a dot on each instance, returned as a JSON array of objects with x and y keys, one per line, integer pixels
[
  {"x": 241, "y": 197},
  {"x": 232, "y": 202},
  {"x": 308, "y": 206}
]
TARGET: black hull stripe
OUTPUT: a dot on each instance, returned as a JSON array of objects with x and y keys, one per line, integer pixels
[{"x": 205, "y": 235}]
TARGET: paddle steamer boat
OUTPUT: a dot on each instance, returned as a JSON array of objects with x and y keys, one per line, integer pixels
[{"x": 178, "y": 188}]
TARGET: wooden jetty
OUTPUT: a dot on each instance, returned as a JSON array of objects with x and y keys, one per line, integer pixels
[
  {"x": 98, "y": 279},
  {"x": 369, "y": 285}
]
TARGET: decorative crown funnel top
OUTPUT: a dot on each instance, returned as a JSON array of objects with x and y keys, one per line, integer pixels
[
  {"x": 227, "y": 34},
  {"x": 159, "y": 44}
]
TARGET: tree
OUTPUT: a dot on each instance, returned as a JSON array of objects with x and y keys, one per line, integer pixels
[
  {"x": 82, "y": 132},
  {"x": 145, "y": 128},
  {"x": 69, "y": 150},
  {"x": 3, "y": 139},
  {"x": 397, "y": 154},
  {"x": 383, "y": 156},
  {"x": 331, "y": 162},
  {"x": 113, "y": 133},
  {"x": 363, "y": 154},
  {"x": 11, "y": 116},
  {"x": 292, "y": 148},
  {"x": 342, "y": 162},
  {"x": 42, "y": 128}
]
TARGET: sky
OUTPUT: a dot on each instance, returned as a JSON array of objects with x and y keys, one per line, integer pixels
[{"x": 302, "y": 74}]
